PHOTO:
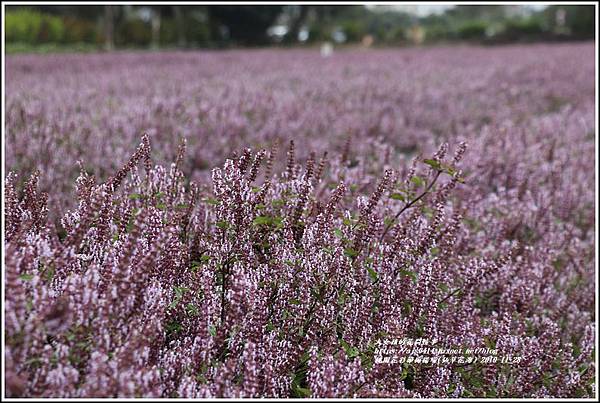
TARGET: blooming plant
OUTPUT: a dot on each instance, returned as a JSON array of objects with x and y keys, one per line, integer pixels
[{"x": 273, "y": 276}]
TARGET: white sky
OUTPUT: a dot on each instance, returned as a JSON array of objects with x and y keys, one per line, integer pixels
[
  {"x": 422, "y": 9},
  {"x": 427, "y": 9}
]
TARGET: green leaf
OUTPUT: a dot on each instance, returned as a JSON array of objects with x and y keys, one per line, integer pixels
[
  {"x": 191, "y": 309},
  {"x": 418, "y": 181},
  {"x": 210, "y": 200},
  {"x": 195, "y": 265},
  {"x": 372, "y": 274},
  {"x": 404, "y": 373},
  {"x": 351, "y": 253},
  {"x": 433, "y": 163},
  {"x": 278, "y": 222},
  {"x": 278, "y": 203},
  {"x": 298, "y": 391},
  {"x": 344, "y": 344},
  {"x": 49, "y": 274},
  {"x": 34, "y": 362},
  {"x": 26, "y": 277},
  {"x": 173, "y": 327},
  {"x": 294, "y": 301},
  {"x": 429, "y": 212},
  {"x": 129, "y": 226},
  {"x": 327, "y": 250},
  {"x": 397, "y": 196},
  {"x": 179, "y": 291},
  {"x": 338, "y": 233},
  {"x": 450, "y": 170},
  {"x": 222, "y": 224},
  {"x": 174, "y": 303},
  {"x": 136, "y": 196},
  {"x": 351, "y": 351},
  {"x": 410, "y": 274},
  {"x": 212, "y": 330},
  {"x": 262, "y": 220},
  {"x": 476, "y": 382}
]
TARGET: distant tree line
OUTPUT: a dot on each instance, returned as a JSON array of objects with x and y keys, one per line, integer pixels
[{"x": 120, "y": 26}]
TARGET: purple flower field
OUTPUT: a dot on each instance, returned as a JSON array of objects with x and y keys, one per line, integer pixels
[{"x": 263, "y": 223}]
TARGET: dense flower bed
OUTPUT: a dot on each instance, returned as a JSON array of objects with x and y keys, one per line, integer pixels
[{"x": 313, "y": 209}]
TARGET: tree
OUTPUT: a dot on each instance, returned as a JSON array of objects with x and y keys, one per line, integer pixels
[
  {"x": 109, "y": 28},
  {"x": 180, "y": 25},
  {"x": 296, "y": 20},
  {"x": 246, "y": 25}
]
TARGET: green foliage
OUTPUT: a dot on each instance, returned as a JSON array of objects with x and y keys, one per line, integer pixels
[
  {"x": 31, "y": 27},
  {"x": 351, "y": 253},
  {"x": 268, "y": 221},
  {"x": 435, "y": 164},
  {"x": 222, "y": 224},
  {"x": 579, "y": 21},
  {"x": 355, "y": 30},
  {"x": 134, "y": 32},
  {"x": 78, "y": 30},
  {"x": 350, "y": 351},
  {"x": 173, "y": 328},
  {"x": 398, "y": 196},
  {"x": 472, "y": 30},
  {"x": 262, "y": 220},
  {"x": 439, "y": 32},
  {"x": 211, "y": 201},
  {"x": 372, "y": 274},
  {"x": 191, "y": 309},
  {"x": 246, "y": 25},
  {"x": 26, "y": 277},
  {"x": 418, "y": 181},
  {"x": 179, "y": 291},
  {"x": 136, "y": 196},
  {"x": 411, "y": 274},
  {"x": 299, "y": 386},
  {"x": 525, "y": 29}
]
